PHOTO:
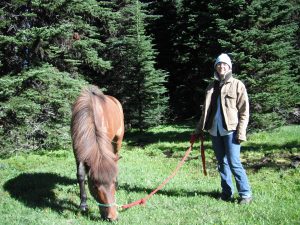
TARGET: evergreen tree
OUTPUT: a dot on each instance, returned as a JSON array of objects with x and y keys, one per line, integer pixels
[
  {"x": 45, "y": 49},
  {"x": 35, "y": 109},
  {"x": 262, "y": 36},
  {"x": 139, "y": 84},
  {"x": 188, "y": 53},
  {"x": 161, "y": 26},
  {"x": 195, "y": 45},
  {"x": 66, "y": 34}
]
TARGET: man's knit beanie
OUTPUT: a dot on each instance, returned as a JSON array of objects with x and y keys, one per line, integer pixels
[{"x": 223, "y": 58}]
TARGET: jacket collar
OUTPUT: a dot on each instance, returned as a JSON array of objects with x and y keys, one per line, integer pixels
[{"x": 228, "y": 77}]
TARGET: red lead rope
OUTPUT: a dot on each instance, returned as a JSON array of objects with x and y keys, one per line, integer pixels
[
  {"x": 203, "y": 156},
  {"x": 144, "y": 200}
]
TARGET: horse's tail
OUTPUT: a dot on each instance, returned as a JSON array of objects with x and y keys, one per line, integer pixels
[{"x": 90, "y": 141}]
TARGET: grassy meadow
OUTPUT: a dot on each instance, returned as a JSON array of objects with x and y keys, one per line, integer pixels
[{"x": 41, "y": 188}]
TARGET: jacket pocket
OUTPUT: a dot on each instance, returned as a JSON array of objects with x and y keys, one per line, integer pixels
[
  {"x": 231, "y": 109},
  {"x": 230, "y": 100}
]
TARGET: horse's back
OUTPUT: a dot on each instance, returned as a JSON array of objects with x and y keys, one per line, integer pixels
[
  {"x": 115, "y": 117},
  {"x": 103, "y": 112}
]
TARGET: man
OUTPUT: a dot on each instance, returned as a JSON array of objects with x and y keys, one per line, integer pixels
[{"x": 225, "y": 116}]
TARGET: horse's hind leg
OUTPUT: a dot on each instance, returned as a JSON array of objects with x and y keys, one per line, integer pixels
[
  {"x": 81, "y": 179},
  {"x": 117, "y": 143}
]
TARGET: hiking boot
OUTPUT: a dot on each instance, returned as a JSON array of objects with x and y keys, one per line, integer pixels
[{"x": 245, "y": 200}]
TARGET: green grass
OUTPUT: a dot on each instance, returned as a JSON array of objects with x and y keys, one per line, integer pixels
[{"x": 40, "y": 188}]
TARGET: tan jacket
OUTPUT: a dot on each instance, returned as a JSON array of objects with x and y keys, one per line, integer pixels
[{"x": 235, "y": 107}]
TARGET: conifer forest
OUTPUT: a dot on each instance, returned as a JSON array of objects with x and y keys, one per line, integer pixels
[{"x": 155, "y": 56}]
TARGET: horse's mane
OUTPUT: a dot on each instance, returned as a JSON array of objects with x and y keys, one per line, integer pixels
[{"x": 90, "y": 141}]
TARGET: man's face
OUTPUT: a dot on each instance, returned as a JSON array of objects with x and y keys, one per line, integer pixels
[{"x": 222, "y": 69}]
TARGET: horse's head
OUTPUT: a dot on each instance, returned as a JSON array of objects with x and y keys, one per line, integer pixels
[
  {"x": 107, "y": 201},
  {"x": 104, "y": 194}
]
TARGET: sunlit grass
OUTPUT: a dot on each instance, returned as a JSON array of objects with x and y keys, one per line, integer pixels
[{"x": 41, "y": 188}]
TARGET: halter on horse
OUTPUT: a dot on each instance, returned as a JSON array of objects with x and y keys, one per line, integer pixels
[{"x": 97, "y": 132}]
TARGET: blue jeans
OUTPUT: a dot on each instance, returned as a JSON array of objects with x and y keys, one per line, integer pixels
[{"x": 227, "y": 151}]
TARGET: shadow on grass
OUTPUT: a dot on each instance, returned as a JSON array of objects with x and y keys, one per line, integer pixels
[
  {"x": 270, "y": 155},
  {"x": 271, "y": 152},
  {"x": 141, "y": 139},
  {"x": 176, "y": 193},
  {"x": 267, "y": 147},
  {"x": 37, "y": 190}
]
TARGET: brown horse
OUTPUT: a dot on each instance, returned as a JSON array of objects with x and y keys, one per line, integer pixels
[{"x": 97, "y": 132}]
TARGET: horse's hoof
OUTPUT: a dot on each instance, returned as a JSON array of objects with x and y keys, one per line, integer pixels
[{"x": 84, "y": 208}]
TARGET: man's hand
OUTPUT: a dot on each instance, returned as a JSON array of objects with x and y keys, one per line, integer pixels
[
  {"x": 195, "y": 137},
  {"x": 239, "y": 141}
]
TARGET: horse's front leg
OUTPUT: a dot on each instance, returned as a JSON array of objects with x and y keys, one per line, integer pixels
[{"x": 81, "y": 179}]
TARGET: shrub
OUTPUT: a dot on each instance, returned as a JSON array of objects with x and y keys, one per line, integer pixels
[
  {"x": 266, "y": 121},
  {"x": 35, "y": 109}
]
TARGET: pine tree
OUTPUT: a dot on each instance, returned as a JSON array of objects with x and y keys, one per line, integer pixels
[
  {"x": 139, "y": 84},
  {"x": 46, "y": 48},
  {"x": 63, "y": 33},
  {"x": 262, "y": 36},
  {"x": 191, "y": 27},
  {"x": 192, "y": 46},
  {"x": 35, "y": 109}
]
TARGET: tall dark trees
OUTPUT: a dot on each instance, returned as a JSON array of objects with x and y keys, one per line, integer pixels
[
  {"x": 187, "y": 45},
  {"x": 65, "y": 44},
  {"x": 139, "y": 85},
  {"x": 65, "y": 34},
  {"x": 262, "y": 37},
  {"x": 142, "y": 54},
  {"x": 45, "y": 48}
]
